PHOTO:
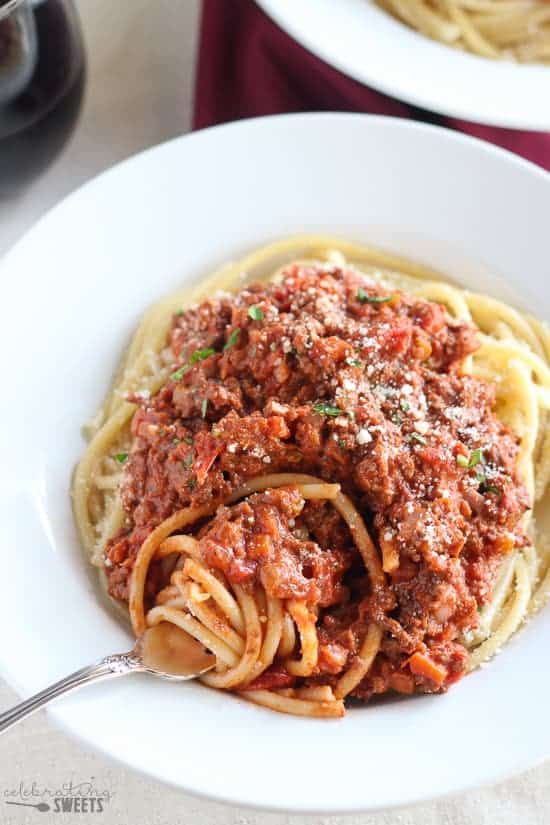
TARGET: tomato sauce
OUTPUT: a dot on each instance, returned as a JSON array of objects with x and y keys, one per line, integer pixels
[{"x": 329, "y": 373}]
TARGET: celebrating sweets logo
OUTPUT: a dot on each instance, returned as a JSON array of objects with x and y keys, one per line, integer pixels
[{"x": 70, "y": 797}]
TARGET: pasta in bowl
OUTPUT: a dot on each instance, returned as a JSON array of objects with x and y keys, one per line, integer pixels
[{"x": 322, "y": 463}]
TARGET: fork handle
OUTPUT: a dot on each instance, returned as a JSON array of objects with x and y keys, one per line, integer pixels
[{"x": 111, "y": 666}]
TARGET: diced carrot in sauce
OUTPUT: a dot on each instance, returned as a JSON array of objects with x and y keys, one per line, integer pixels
[{"x": 422, "y": 665}]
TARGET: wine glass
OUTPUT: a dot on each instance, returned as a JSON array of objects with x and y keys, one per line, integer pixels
[{"x": 42, "y": 73}]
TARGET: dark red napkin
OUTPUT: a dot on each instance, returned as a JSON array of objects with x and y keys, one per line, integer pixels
[{"x": 249, "y": 67}]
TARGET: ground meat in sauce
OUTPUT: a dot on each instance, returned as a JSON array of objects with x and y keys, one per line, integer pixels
[
  {"x": 263, "y": 540},
  {"x": 330, "y": 373}
]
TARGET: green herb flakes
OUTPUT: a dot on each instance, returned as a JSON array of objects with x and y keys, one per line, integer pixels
[
  {"x": 323, "y": 408},
  {"x": 178, "y": 374},
  {"x": 201, "y": 355},
  {"x": 476, "y": 458},
  {"x": 232, "y": 340},
  {"x": 469, "y": 463},
  {"x": 255, "y": 313},
  {"x": 364, "y": 298}
]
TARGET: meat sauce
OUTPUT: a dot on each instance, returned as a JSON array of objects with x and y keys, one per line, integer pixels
[
  {"x": 329, "y": 373},
  {"x": 266, "y": 539}
]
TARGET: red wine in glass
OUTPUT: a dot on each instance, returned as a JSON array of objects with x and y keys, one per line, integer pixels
[{"x": 42, "y": 71}]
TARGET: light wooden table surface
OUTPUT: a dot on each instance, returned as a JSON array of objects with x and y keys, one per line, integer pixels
[{"x": 141, "y": 62}]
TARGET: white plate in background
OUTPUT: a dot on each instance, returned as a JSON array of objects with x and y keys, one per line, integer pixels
[
  {"x": 371, "y": 46},
  {"x": 72, "y": 291}
]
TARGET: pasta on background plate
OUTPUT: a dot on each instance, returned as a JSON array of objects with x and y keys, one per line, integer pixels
[{"x": 499, "y": 29}]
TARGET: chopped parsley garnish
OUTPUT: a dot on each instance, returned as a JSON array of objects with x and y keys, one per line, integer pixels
[
  {"x": 232, "y": 340},
  {"x": 121, "y": 457},
  {"x": 419, "y": 438},
  {"x": 204, "y": 407},
  {"x": 341, "y": 444},
  {"x": 188, "y": 461},
  {"x": 396, "y": 418},
  {"x": 198, "y": 355},
  {"x": 323, "y": 408},
  {"x": 176, "y": 441},
  {"x": 201, "y": 355},
  {"x": 485, "y": 486},
  {"x": 364, "y": 298},
  {"x": 192, "y": 483},
  {"x": 178, "y": 312},
  {"x": 178, "y": 374},
  {"x": 490, "y": 488},
  {"x": 405, "y": 406},
  {"x": 187, "y": 439},
  {"x": 255, "y": 313},
  {"x": 476, "y": 458},
  {"x": 354, "y": 362}
]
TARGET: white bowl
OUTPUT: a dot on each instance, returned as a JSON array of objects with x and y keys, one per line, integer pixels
[
  {"x": 366, "y": 43},
  {"x": 74, "y": 288}
]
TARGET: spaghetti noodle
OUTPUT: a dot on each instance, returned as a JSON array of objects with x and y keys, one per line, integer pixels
[
  {"x": 306, "y": 594},
  {"x": 510, "y": 29}
]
